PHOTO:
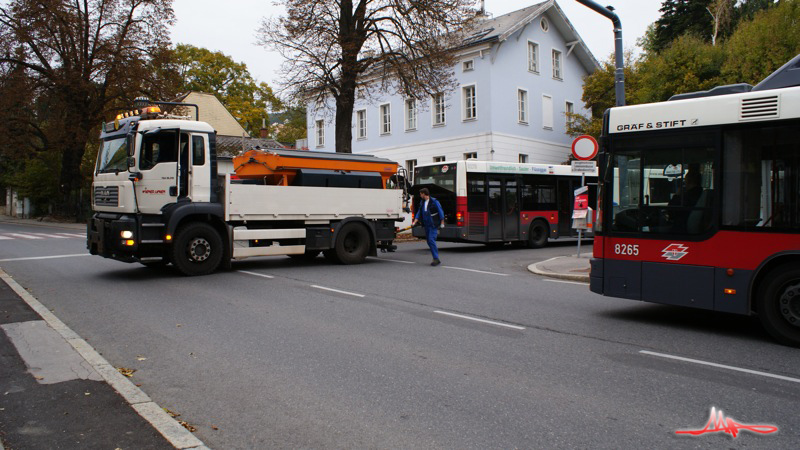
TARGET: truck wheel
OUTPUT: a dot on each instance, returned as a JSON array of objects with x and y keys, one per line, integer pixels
[
  {"x": 197, "y": 249},
  {"x": 352, "y": 244},
  {"x": 537, "y": 237},
  {"x": 779, "y": 304}
]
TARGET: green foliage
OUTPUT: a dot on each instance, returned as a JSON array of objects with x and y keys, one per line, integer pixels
[
  {"x": 680, "y": 17},
  {"x": 760, "y": 46},
  {"x": 292, "y": 125},
  {"x": 37, "y": 179},
  {"x": 217, "y": 73},
  {"x": 688, "y": 64}
]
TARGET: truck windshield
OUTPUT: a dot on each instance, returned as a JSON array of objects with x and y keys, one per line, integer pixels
[{"x": 113, "y": 155}]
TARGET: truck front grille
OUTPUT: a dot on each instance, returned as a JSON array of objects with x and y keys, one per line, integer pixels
[{"x": 106, "y": 196}]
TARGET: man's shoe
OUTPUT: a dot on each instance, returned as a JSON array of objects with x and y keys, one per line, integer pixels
[{"x": 435, "y": 262}]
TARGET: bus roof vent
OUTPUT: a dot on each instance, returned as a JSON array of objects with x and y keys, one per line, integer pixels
[{"x": 759, "y": 108}]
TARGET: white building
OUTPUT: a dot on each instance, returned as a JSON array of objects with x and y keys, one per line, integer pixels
[{"x": 517, "y": 74}]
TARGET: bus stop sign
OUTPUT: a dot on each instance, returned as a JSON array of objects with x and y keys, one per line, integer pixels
[{"x": 584, "y": 148}]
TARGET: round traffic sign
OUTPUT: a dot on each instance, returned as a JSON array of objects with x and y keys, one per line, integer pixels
[{"x": 584, "y": 147}]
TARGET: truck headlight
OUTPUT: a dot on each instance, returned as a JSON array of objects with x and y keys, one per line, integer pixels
[{"x": 127, "y": 234}]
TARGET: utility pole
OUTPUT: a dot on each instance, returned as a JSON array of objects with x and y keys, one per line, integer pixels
[{"x": 619, "y": 74}]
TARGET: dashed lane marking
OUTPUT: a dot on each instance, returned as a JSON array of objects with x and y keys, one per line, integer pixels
[
  {"x": 394, "y": 260},
  {"x": 491, "y": 322},
  {"x": 256, "y": 274},
  {"x": 477, "y": 271},
  {"x": 721, "y": 366},
  {"x": 338, "y": 291}
]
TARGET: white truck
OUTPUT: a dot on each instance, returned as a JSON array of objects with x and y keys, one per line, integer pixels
[{"x": 158, "y": 198}]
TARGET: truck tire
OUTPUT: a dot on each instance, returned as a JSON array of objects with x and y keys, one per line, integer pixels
[
  {"x": 352, "y": 244},
  {"x": 537, "y": 236},
  {"x": 197, "y": 249},
  {"x": 778, "y": 304}
]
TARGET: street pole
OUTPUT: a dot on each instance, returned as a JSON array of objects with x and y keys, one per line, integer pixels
[{"x": 619, "y": 73}]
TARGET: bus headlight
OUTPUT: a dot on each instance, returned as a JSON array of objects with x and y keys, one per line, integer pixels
[{"x": 127, "y": 234}]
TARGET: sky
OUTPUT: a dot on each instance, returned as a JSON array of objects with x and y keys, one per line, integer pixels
[{"x": 230, "y": 27}]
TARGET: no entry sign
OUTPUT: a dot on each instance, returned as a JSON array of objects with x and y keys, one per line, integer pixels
[{"x": 584, "y": 148}]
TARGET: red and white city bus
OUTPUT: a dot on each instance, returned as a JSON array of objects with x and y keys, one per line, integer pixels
[
  {"x": 498, "y": 202},
  {"x": 699, "y": 202}
]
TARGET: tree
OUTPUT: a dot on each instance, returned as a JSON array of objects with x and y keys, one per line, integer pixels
[
  {"x": 84, "y": 59},
  {"x": 721, "y": 12},
  {"x": 679, "y": 17},
  {"x": 217, "y": 73},
  {"x": 334, "y": 48},
  {"x": 760, "y": 46},
  {"x": 292, "y": 125}
]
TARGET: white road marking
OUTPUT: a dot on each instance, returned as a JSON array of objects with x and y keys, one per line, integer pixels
[
  {"x": 395, "y": 260},
  {"x": 30, "y": 258},
  {"x": 500, "y": 324},
  {"x": 567, "y": 282},
  {"x": 337, "y": 290},
  {"x": 23, "y": 236},
  {"x": 73, "y": 235},
  {"x": 478, "y": 271},
  {"x": 256, "y": 274},
  {"x": 721, "y": 366},
  {"x": 2, "y": 238},
  {"x": 54, "y": 236}
]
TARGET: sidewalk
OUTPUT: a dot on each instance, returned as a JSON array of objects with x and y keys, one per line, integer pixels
[
  {"x": 45, "y": 222},
  {"x": 564, "y": 267},
  {"x": 56, "y": 391}
]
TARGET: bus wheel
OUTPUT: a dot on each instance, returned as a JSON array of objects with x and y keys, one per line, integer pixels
[
  {"x": 779, "y": 304},
  {"x": 197, "y": 249},
  {"x": 352, "y": 244},
  {"x": 537, "y": 238}
]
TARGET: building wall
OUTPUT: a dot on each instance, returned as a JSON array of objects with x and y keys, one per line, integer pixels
[{"x": 496, "y": 134}]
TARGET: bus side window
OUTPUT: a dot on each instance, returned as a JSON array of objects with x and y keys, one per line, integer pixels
[{"x": 476, "y": 193}]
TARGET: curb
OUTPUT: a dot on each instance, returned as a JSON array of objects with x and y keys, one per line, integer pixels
[
  {"x": 534, "y": 268},
  {"x": 174, "y": 432}
]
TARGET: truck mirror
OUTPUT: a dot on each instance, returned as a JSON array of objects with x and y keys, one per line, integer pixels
[{"x": 131, "y": 141}]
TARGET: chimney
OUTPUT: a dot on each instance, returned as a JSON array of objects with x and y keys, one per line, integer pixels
[{"x": 263, "y": 131}]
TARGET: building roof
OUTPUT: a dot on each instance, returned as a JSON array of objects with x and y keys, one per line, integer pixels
[
  {"x": 233, "y": 145},
  {"x": 499, "y": 29},
  {"x": 214, "y": 113}
]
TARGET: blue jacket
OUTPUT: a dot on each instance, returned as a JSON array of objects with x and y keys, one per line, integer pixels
[{"x": 433, "y": 216}]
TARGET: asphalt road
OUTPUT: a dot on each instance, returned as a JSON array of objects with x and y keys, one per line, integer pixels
[{"x": 388, "y": 354}]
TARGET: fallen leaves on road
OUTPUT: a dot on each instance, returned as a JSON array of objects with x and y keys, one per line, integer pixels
[
  {"x": 125, "y": 371},
  {"x": 171, "y": 413},
  {"x": 140, "y": 358},
  {"x": 214, "y": 428},
  {"x": 187, "y": 426}
]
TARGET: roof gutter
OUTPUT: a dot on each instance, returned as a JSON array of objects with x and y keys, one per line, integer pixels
[{"x": 619, "y": 74}]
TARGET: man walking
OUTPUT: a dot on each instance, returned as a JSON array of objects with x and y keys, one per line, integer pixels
[{"x": 431, "y": 216}]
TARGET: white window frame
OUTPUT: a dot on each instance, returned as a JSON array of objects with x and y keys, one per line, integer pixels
[
  {"x": 469, "y": 155},
  {"x": 533, "y": 62},
  {"x": 469, "y": 104},
  {"x": 558, "y": 65},
  {"x": 410, "y": 115},
  {"x": 438, "y": 159},
  {"x": 438, "y": 109},
  {"x": 547, "y": 111},
  {"x": 523, "y": 158},
  {"x": 361, "y": 124},
  {"x": 523, "y": 106},
  {"x": 385, "y": 114},
  {"x": 320, "y": 127},
  {"x": 569, "y": 108},
  {"x": 468, "y": 65},
  {"x": 411, "y": 164}
]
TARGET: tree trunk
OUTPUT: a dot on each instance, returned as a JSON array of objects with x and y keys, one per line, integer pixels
[{"x": 345, "y": 102}]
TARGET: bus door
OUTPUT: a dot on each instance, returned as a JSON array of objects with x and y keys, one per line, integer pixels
[
  {"x": 503, "y": 208},
  {"x": 565, "y": 189}
]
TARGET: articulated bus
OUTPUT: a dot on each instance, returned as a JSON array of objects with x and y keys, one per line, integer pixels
[
  {"x": 496, "y": 202},
  {"x": 699, "y": 202}
]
